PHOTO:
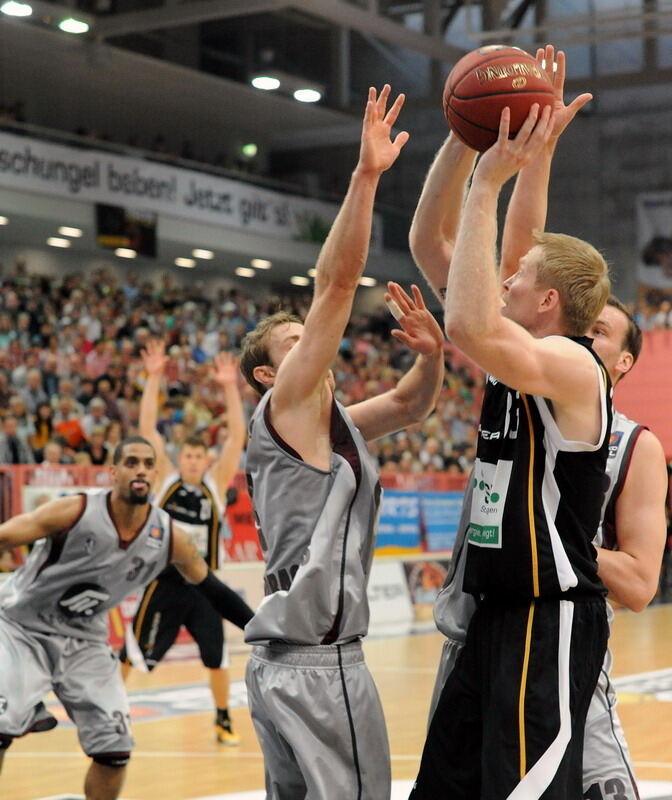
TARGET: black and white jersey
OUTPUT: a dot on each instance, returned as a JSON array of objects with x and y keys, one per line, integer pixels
[
  {"x": 197, "y": 510},
  {"x": 537, "y": 498}
]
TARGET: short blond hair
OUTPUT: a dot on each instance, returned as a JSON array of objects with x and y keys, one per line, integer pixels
[
  {"x": 580, "y": 275},
  {"x": 254, "y": 352}
]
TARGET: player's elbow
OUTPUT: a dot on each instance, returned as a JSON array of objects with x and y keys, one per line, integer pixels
[{"x": 640, "y": 595}]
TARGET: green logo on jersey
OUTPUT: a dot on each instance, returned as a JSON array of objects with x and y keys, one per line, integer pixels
[
  {"x": 484, "y": 535},
  {"x": 488, "y": 495}
]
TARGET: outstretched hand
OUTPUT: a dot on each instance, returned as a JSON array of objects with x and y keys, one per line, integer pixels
[
  {"x": 225, "y": 369},
  {"x": 154, "y": 357},
  {"x": 554, "y": 65},
  {"x": 508, "y": 156},
  {"x": 419, "y": 330},
  {"x": 378, "y": 150}
]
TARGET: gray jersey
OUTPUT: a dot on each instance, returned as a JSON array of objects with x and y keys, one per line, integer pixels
[
  {"x": 317, "y": 530},
  {"x": 71, "y": 578}
]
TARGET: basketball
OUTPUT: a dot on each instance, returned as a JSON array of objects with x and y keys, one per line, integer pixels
[{"x": 484, "y": 82}]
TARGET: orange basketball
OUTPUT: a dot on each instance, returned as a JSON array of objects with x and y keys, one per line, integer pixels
[{"x": 484, "y": 82}]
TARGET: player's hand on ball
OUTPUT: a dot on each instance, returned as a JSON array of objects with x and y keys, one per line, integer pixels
[
  {"x": 419, "y": 330},
  {"x": 508, "y": 156},
  {"x": 554, "y": 65},
  {"x": 378, "y": 151},
  {"x": 225, "y": 369},
  {"x": 154, "y": 357}
]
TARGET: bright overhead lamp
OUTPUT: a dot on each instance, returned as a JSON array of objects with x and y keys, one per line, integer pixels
[
  {"x": 207, "y": 255},
  {"x": 249, "y": 150},
  {"x": 14, "y": 9},
  {"x": 185, "y": 262},
  {"x": 307, "y": 95},
  {"x": 265, "y": 82},
  {"x": 125, "y": 252},
  {"x": 56, "y": 241},
  {"x": 245, "y": 272},
  {"x": 72, "y": 25},
  {"x": 4, "y": 220},
  {"x": 261, "y": 263},
  {"x": 365, "y": 281},
  {"x": 312, "y": 272},
  {"x": 299, "y": 280},
  {"x": 74, "y": 233}
]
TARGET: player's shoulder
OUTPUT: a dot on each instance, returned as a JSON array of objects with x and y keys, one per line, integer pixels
[{"x": 648, "y": 447}]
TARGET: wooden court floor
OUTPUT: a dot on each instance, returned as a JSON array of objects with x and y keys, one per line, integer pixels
[{"x": 177, "y": 758}]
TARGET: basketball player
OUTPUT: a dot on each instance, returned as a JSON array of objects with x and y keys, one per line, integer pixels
[
  {"x": 194, "y": 496},
  {"x": 90, "y": 551},
  {"x": 632, "y": 536},
  {"x": 617, "y": 340},
  {"x": 316, "y": 498},
  {"x": 510, "y": 719}
]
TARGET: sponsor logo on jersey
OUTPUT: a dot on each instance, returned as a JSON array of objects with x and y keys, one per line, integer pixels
[
  {"x": 83, "y": 600},
  {"x": 614, "y": 442},
  {"x": 156, "y": 534}
]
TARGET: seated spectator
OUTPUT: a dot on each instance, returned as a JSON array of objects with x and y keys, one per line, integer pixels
[
  {"x": 33, "y": 393},
  {"x": 67, "y": 424},
  {"x": 17, "y": 408},
  {"x": 43, "y": 429},
  {"x": 96, "y": 448},
  {"x": 50, "y": 472},
  {"x": 14, "y": 449},
  {"x": 95, "y": 416}
]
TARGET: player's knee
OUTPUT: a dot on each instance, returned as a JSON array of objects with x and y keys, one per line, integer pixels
[{"x": 114, "y": 760}]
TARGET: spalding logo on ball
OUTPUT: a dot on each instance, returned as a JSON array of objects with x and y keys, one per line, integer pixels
[{"x": 484, "y": 82}]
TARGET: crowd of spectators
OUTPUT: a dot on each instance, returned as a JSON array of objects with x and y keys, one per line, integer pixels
[{"x": 71, "y": 375}]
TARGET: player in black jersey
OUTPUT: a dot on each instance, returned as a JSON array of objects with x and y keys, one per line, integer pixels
[
  {"x": 509, "y": 722},
  {"x": 195, "y": 496}
]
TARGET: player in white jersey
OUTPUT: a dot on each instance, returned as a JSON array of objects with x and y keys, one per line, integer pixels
[
  {"x": 194, "y": 495},
  {"x": 636, "y": 509},
  {"x": 90, "y": 551},
  {"x": 316, "y": 496}
]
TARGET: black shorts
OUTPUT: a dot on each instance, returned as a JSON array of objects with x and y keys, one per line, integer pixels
[
  {"x": 166, "y": 605},
  {"x": 510, "y": 720}
]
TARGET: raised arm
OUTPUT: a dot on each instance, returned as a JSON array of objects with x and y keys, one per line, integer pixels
[
  {"x": 437, "y": 216},
  {"x": 301, "y": 376},
  {"x": 154, "y": 359},
  {"x": 631, "y": 573},
  {"x": 52, "y": 517},
  {"x": 529, "y": 202},
  {"x": 225, "y": 373},
  {"x": 415, "y": 396}
]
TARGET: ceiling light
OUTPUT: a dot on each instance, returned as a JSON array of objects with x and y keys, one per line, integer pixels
[
  {"x": 364, "y": 281},
  {"x": 4, "y": 220},
  {"x": 185, "y": 262},
  {"x": 75, "y": 233},
  {"x": 125, "y": 252},
  {"x": 299, "y": 280},
  {"x": 265, "y": 82},
  {"x": 55, "y": 241},
  {"x": 14, "y": 9},
  {"x": 307, "y": 95},
  {"x": 249, "y": 150},
  {"x": 72, "y": 25},
  {"x": 245, "y": 272},
  {"x": 261, "y": 263},
  {"x": 312, "y": 272},
  {"x": 205, "y": 254}
]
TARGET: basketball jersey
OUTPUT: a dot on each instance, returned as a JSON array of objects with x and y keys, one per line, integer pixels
[
  {"x": 317, "y": 531},
  {"x": 71, "y": 578},
  {"x": 197, "y": 510},
  {"x": 454, "y": 608},
  {"x": 537, "y": 498}
]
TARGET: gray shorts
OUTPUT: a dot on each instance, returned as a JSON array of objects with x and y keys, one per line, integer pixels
[
  {"x": 606, "y": 760},
  {"x": 320, "y": 723},
  {"x": 84, "y": 676}
]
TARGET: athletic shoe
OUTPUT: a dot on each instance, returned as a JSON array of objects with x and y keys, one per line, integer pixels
[{"x": 225, "y": 733}]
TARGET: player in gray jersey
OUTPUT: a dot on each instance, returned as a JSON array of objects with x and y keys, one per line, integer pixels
[
  {"x": 90, "y": 551},
  {"x": 316, "y": 497},
  {"x": 633, "y": 510}
]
